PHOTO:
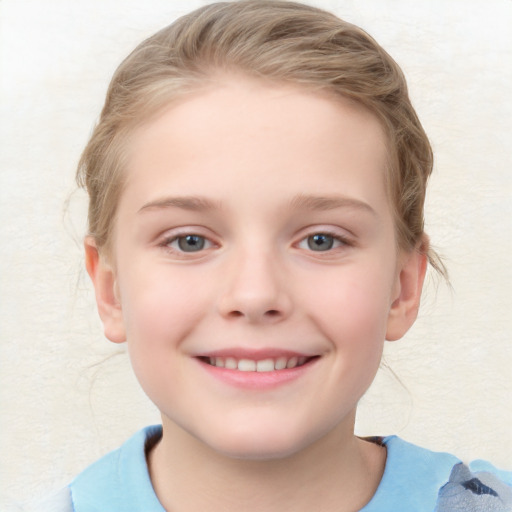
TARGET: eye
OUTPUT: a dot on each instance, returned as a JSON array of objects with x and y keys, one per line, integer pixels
[
  {"x": 322, "y": 242},
  {"x": 189, "y": 243}
]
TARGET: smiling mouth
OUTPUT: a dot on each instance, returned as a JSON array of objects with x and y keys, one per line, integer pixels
[{"x": 262, "y": 365}]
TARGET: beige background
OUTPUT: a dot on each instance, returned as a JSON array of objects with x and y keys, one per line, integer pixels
[{"x": 67, "y": 395}]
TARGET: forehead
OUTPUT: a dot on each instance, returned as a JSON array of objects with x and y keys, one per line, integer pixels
[{"x": 251, "y": 137}]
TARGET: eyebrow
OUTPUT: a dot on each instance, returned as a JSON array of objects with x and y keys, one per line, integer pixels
[
  {"x": 322, "y": 203},
  {"x": 192, "y": 203},
  {"x": 299, "y": 202}
]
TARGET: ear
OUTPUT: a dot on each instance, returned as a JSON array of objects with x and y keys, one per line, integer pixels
[
  {"x": 407, "y": 293},
  {"x": 104, "y": 281}
]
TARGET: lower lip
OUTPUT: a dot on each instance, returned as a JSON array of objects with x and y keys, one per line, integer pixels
[{"x": 257, "y": 380}]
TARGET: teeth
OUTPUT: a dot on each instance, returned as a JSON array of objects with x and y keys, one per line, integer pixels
[
  {"x": 263, "y": 365},
  {"x": 231, "y": 363},
  {"x": 267, "y": 365},
  {"x": 246, "y": 365},
  {"x": 292, "y": 363},
  {"x": 281, "y": 363}
]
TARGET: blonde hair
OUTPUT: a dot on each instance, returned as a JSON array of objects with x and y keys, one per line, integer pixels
[{"x": 275, "y": 40}]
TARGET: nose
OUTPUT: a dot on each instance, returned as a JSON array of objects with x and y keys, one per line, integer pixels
[{"x": 256, "y": 290}]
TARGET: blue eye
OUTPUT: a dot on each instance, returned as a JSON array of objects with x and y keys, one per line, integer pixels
[
  {"x": 189, "y": 243},
  {"x": 320, "y": 242},
  {"x": 323, "y": 242}
]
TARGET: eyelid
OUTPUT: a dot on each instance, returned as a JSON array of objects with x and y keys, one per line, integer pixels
[
  {"x": 179, "y": 237},
  {"x": 338, "y": 234},
  {"x": 341, "y": 235},
  {"x": 174, "y": 234}
]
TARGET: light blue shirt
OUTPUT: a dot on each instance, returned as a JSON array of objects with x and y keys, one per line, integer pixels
[{"x": 414, "y": 480}]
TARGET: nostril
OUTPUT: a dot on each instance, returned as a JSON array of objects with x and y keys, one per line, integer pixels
[{"x": 255, "y": 315}]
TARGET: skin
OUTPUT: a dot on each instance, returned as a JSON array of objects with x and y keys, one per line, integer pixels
[{"x": 251, "y": 152}]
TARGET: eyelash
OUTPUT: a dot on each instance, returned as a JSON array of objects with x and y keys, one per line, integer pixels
[
  {"x": 340, "y": 240},
  {"x": 168, "y": 241},
  {"x": 343, "y": 241}
]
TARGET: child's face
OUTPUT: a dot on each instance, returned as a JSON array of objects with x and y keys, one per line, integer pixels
[{"x": 255, "y": 227}]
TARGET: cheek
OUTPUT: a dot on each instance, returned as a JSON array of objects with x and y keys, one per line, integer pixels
[
  {"x": 352, "y": 314},
  {"x": 159, "y": 312},
  {"x": 160, "y": 309},
  {"x": 155, "y": 321},
  {"x": 358, "y": 301}
]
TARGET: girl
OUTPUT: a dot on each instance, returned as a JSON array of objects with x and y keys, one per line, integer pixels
[{"x": 256, "y": 184}]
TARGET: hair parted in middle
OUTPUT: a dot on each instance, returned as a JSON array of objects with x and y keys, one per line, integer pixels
[{"x": 273, "y": 41}]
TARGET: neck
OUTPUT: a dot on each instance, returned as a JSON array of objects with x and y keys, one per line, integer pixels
[{"x": 339, "y": 472}]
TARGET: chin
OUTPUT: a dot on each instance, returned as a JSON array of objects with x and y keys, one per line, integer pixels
[
  {"x": 263, "y": 443},
  {"x": 257, "y": 451}
]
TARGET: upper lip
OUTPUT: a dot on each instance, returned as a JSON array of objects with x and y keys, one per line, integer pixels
[{"x": 254, "y": 354}]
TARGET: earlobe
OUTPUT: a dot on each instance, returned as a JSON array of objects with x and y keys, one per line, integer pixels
[
  {"x": 406, "y": 303},
  {"x": 107, "y": 297}
]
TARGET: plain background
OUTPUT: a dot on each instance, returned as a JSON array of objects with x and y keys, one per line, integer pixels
[{"x": 68, "y": 396}]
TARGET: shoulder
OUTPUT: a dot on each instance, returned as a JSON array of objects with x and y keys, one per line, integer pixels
[
  {"x": 422, "y": 480},
  {"x": 476, "y": 487},
  {"x": 119, "y": 480}
]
